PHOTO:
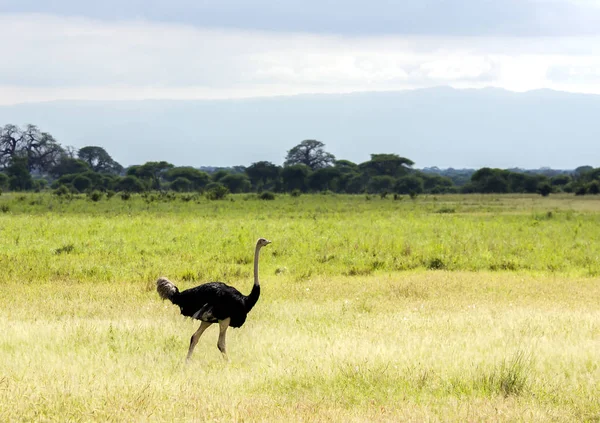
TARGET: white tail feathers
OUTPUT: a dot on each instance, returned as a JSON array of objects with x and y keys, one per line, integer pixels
[{"x": 166, "y": 289}]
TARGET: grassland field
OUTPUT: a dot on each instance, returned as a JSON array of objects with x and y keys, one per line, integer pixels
[{"x": 441, "y": 308}]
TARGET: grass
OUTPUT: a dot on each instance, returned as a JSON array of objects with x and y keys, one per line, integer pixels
[{"x": 375, "y": 310}]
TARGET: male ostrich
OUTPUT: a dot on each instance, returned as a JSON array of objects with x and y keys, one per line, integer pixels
[{"x": 213, "y": 302}]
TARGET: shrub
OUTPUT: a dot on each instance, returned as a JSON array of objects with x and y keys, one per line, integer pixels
[
  {"x": 267, "y": 195},
  {"x": 125, "y": 196},
  {"x": 62, "y": 190},
  {"x": 65, "y": 249},
  {"x": 435, "y": 263},
  {"x": 130, "y": 183},
  {"x": 81, "y": 183},
  {"x": 593, "y": 188},
  {"x": 216, "y": 191},
  {"x": 181, "y": 184},
  {"x": 544, "y": 189},
  {"x": 95, "y": 195},
  {"x": 296, "y": 193}
]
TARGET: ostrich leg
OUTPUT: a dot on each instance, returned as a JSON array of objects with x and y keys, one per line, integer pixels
[
  {"x": 223, "y": 325},
  {"x": 195, "y": 338}
]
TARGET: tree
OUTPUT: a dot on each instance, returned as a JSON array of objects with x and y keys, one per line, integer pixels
[
  {"x": 19, "y": 178},
  {"x": 380, "y": 183},
  {"x": 409, "y": 184},
  {"x": 99, "y": 160},
  {"x": 263, "y": 174},
  {"x": 544, "y": 189},
  {"x": 152, "y": 172},
  {"x": 560, "y": 180},
  {"x": 295, "y": 177},
  {"x": 593, "y": 188},
  {"x": 310, "y": 153},
  {"x": 69, "y": 166},
  {"x": 219, "y": 174},
  {"x": 197, "y": 178},
  {"x": 236, "y": 182},
  {"x": 387, "y": 165},
  {"x": 39, "y": 148},
  {"x": 130, "y": 183},
  {"x": 346, "y": 166},
  {"x": 181, "y": 184},
  {"x": 81, "y": 183},
  {"x": 487, "y": 180},
  {"x": 324, "y": 179},
  {"x": 435, "y": 183},
  {"x": 353, "y": 184}
]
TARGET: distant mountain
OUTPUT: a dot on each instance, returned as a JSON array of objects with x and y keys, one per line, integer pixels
[{"x": 440, "y": 127}]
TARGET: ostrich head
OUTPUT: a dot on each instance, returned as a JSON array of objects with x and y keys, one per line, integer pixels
[{"x": 262, "y": 242}]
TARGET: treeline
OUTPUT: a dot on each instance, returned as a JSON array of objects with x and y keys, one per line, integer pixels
[{"x": 33, "y": 160}]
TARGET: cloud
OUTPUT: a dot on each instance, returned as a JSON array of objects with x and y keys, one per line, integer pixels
[
  {"x": 348, "y": 17},
  {"x": 55, "y": 57}
]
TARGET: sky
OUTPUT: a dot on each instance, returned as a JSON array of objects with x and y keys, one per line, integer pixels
[{"x": 201, "y": 49}]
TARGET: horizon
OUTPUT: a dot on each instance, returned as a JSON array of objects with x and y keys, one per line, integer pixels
[
  {"x": 308, "y": 94},
  {"x": 443, "y": 127}
]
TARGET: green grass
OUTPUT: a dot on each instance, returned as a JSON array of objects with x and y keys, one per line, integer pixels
[{"x": 372, "y": 310}]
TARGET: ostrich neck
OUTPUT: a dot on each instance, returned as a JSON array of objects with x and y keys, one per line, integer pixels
[
  {"x": 256, "y": 254},
  {"x": 255, "y": 293}
]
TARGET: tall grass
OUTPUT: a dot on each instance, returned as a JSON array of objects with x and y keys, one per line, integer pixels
[{"x": 376, "y": 310}]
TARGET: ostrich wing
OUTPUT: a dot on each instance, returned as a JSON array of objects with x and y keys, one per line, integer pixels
[{"x": 206, "y": 314}]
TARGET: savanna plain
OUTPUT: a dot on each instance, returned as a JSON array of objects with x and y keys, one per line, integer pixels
[{"x": 447, "y": 308}]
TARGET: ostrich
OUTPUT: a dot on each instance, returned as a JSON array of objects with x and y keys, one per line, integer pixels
[{"x": 213, "y": 302}]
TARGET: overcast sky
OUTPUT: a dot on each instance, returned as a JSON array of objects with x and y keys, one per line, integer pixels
[{"x": 138, "y": 49}]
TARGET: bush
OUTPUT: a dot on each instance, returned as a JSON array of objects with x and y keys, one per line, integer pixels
[
  {"x": 544, "y": 189},
  {"x": 81, "y": 183},
  {"x": 181, "y": 184},
  {"x": 216, "y": 191},
  {"x": 110, "y": 194},
  {"x": 296, "y": 193},
  {"x": 267, "y": 195},
  {"x": 62, "y": 190},
  {"x": 593, "y": 188},
  {"x": 95, "y": 196},
  {"x": 130, "y": 183},
  {"x": 125, "y": 196}
]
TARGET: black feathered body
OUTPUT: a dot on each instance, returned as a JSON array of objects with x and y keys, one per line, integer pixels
[{"x": 215, "y": 301}]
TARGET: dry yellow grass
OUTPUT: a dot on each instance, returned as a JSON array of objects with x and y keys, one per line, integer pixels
[{"x": 419, "y": 346}]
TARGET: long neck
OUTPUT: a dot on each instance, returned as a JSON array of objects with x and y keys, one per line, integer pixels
[{"x": 255, "y": 293}]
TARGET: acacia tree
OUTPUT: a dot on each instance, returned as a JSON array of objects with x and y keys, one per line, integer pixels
[
  {"x": 99, "y": 160},
  {"x": 387, "y": 165},
  {"x": 197, "y": 179},
  {"x": 310, "y": 153},
  {"x": 152, "y": 172}
]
